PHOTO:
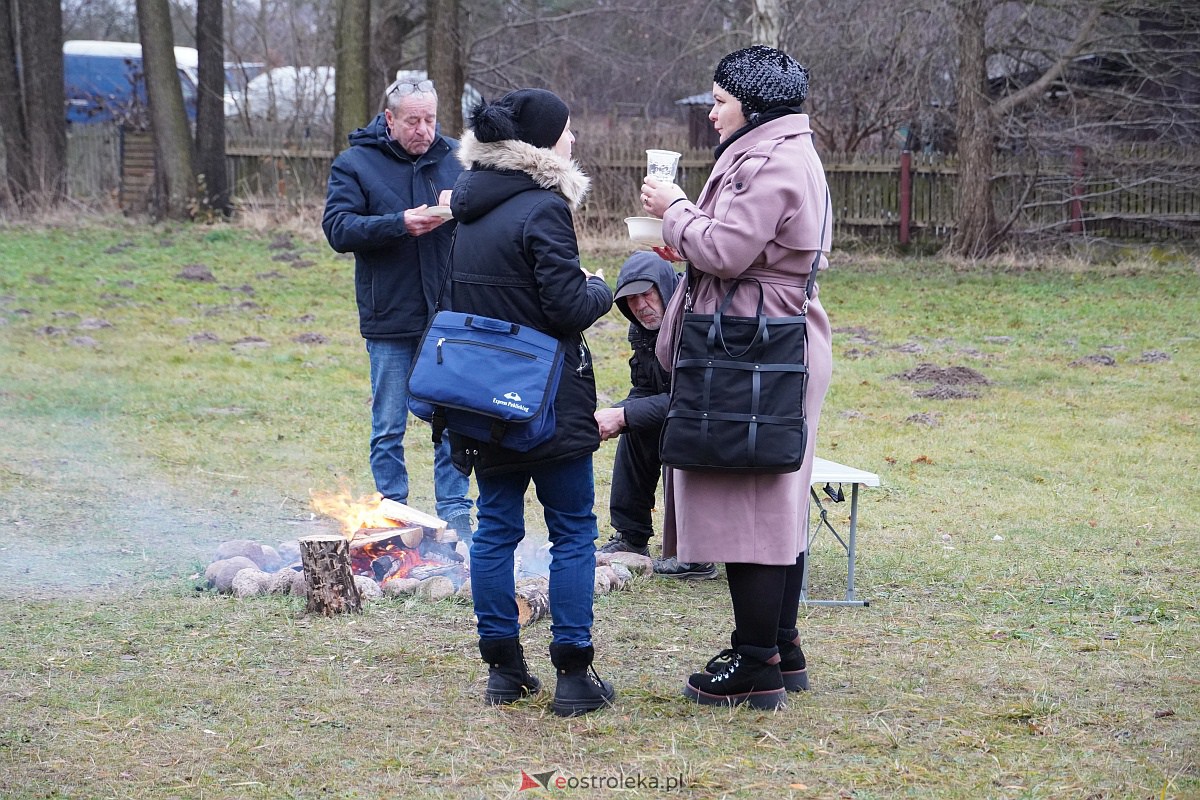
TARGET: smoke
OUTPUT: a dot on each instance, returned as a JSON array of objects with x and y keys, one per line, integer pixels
[{"x": 77, "y": 514}]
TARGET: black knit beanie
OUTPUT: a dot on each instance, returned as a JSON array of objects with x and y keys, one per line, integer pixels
[
  {"x": 536, "y": 116},
  {"x": 762, "y": 77}
]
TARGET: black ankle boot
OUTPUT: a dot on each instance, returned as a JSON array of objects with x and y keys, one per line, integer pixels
[
  {"x": 579, "y": 688},
  {"x": 792, "y": 665},
  {"x": 750, "y": 676},
  {"x": 508, "y": 675}
]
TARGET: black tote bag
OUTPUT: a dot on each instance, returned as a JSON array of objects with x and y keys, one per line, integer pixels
[{"x": 737, "y": 391}]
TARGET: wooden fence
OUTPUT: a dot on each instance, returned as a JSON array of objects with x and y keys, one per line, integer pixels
[{"x": 1120, "y": 192}]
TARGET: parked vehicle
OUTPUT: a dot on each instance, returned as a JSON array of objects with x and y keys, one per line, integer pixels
[
  {"x": 295, "y": 97},
  {"x": 105, "y": 82},
  {"x": 238, "y": 75}
]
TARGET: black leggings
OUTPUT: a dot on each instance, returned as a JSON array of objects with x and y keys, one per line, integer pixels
[{"x": 766, "y": 598}]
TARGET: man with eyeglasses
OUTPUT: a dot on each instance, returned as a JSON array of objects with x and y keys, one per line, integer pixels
[{"x": 381, "y": 190}]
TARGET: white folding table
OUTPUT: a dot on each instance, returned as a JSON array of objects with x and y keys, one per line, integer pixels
[{"x": 826, "y": 473}]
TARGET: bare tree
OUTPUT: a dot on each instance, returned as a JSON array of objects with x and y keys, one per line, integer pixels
[
  {"x": 446, "y": 60},
  {"x": 352, "y": 103},
  {"x": 12, "y": 125},
  {"x": 979, "y": 115},
  {"x": 397, "y": 41},
  {"x": 108, "y": 20},
  {"x": 872, "y": 70},
  {"x": 168, "y": 120},
  {"x": 210, "y": 107},
  {"x": 765, "y": 22},
  {"x": 31, "y": 88}
]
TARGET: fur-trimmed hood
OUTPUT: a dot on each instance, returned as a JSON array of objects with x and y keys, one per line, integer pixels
[{"x": 546, "y": 168}]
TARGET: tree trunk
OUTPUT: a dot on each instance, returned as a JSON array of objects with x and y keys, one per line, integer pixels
[
  {"x": 331, "y": 588},
  {"x": 210, "y": 107},
  {"x": 976, "y": 216},
  {"x": 764, "y": 22},
  {"x": 36, "y": 140},
  {"x": 14, "y": 129},
  {"x": 45, "y": 98},
  {"x": 352, "y": 101},
  {"x": 445, "y": 56},
  {"x": 168, "y": 119}
]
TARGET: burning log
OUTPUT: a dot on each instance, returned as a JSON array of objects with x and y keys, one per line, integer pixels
[
  {"x": 331, "y": 587},
  {"x": 432, "y": 526},
  {"x": 533, "y": 600}
]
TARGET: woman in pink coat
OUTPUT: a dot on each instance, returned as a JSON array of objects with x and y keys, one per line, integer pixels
[{"x": 764, "y": 214}]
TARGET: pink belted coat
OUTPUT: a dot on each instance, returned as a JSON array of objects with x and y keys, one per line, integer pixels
[{"x": 763, "y": 213}]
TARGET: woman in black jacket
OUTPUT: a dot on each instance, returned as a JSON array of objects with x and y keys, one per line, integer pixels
[{"x": 516, "y": 258}]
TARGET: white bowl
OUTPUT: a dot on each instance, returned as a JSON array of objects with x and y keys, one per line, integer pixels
[{"x": 645, "y": 231}]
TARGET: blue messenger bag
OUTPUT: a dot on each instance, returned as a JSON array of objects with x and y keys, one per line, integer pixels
[{"x": 491, "y": 380}]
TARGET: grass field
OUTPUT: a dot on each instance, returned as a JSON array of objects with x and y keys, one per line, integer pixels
[{"x": 1032, "y": 559}]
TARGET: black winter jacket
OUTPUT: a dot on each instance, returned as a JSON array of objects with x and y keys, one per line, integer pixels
[
  {"x": 516, "y": 258},
  {"x": 646, "y": 405},
  {"x": 397, "y": 277}
]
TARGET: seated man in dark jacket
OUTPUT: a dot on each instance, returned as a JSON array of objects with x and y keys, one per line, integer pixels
[{"x": 644, "y": 287}]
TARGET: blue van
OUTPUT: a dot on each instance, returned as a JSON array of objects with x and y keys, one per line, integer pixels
[{"x": 104, "y": 82}]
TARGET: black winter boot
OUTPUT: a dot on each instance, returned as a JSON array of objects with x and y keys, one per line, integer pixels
[
  {"x": 579, "y": 688},
  {"x": 508, "y": 675},
  {"x": 792, "y": 665},
  {"x": 751, "y": 676},
  {"x": 791, "y": 661}
]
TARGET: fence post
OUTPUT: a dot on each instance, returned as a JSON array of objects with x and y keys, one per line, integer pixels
[
  {"x": 905, "y": 195},
  {"x": 1077, "y": 190}
]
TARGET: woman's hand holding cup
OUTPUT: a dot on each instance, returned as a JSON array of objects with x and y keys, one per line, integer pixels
[{"x": 657, "y": 195}]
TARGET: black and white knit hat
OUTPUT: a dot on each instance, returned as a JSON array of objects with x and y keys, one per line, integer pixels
[
  {"x": 535, "y": 116},
  {"x": 762, "y": 77}
]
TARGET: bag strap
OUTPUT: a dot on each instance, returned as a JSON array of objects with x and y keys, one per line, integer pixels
[
  {"x": 812, "y": 270},
  {"x": 448, "y": 272},
  {"x": 716, "y": 334}
]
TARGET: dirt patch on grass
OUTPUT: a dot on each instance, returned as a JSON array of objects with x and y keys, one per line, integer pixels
[
  {"x": 1099, "y": 360},
  {"x": 949, "y": 383},
  {"x": 945, "y": 376},
  {"x": 942, "y": 391}
]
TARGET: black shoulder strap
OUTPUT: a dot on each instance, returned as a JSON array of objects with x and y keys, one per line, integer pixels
[
  {"x": 812, "y": 270},
  {"x": 437, "y": 303}
]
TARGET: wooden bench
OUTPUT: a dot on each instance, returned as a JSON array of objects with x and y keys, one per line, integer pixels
[{"x": 825, "y": 474}]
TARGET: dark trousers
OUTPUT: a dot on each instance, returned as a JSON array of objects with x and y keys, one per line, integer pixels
[{"x": 636, "y": 473}]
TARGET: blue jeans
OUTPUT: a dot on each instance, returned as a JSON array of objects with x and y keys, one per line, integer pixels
[
  {"x": 567, "y": 494},
  {"x": 390, "y": 363}
]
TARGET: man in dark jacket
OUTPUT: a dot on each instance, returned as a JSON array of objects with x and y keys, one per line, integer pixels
[
  {"x": 380, "y": 191},
  {"x": 644, "y": 287}
]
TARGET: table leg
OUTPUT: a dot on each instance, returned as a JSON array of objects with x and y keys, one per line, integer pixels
[{"x": 851, "y": 545}]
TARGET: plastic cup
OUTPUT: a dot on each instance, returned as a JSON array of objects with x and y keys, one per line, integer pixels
[{"x": 662, "y": 164}]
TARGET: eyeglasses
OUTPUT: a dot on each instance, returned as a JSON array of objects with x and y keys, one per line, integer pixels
[{"x": 405, "y": 88}]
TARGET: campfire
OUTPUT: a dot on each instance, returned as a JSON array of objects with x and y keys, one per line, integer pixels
[
  {"x": 390, "y": 541},
  {"x": 382, "y": 547}
]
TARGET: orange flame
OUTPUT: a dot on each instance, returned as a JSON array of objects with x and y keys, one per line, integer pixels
[{"x": 354, "y": 514}]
